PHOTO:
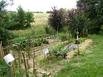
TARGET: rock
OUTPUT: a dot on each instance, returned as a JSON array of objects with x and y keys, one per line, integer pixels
[{"x": 72, "y": 47}]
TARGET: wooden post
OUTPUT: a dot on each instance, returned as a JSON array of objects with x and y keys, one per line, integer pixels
[
  {"x": 19, "y": 62},
  {"x": 28, "y": 66},
  {"x": 14, "y": 65},
  {"x": 34, "y": 69},
  {"x": 26, "y": 70},
  {"x": 1, "y": 50}
]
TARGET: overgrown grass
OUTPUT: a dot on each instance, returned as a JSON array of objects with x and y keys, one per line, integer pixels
[{"x": 88, "y": 65}]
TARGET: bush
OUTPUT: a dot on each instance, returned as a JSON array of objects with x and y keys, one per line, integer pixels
[
  {"x": 20, "y": 19},
  {"x": 5, "y": 36},
  {"x": 39, "y": 42},
  {"x": 3, "y": 69},
  {"x": 77, "y": 21},
  {"x": 24, "y": 43},
  {"x": 58, "y": 51}
]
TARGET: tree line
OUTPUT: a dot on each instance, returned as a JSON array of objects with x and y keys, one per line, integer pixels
[{"x": 86, "y": 19}]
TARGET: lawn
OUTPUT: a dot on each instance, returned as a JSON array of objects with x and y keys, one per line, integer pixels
[{"x": 89, "y": 64}]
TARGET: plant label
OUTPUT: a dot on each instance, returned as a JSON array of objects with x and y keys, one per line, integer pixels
[
  {"x": 45, "y": 51},
  {"x": 9, "y": 58}
]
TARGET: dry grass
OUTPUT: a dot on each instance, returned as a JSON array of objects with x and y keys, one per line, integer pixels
[
  {"x": 82, "y": 48},
  {"x": 41, "y": 19}
]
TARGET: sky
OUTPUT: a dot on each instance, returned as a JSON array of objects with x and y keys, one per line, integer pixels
[{"x": 42, "y": 5}]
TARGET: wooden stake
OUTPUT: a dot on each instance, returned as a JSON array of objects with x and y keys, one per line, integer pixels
[
  {"x": 26, "y": 70},
  {"x": 14, "y": 63},
  {"x": 34, "y": 69},
  {"x": 1, "y": 50}
]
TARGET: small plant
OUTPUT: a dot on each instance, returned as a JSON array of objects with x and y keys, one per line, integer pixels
[
  {"x": 3, "y": 69},
  {"x": 58, "y": 51},
  {"x": 40, "y": 41}
]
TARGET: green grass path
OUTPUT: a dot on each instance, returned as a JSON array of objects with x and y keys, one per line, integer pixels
[{"x": 90, "y": 64}]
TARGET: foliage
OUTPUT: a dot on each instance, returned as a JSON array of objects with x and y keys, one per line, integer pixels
[
  {"x": 26, "y": 43},
  {"x": 57, "y": 19},
  {"x": 77, "y": 22},
  {"x": 29, "y": 19},
  {"x": 4, "y": 33},
  {"x": 94, "y": 11},
  {"x": 58, "y": 51},
  {"x": 40, "y": 41},
  {"x": 3, "y": 68},
  {"x": 20, "y": 19}
]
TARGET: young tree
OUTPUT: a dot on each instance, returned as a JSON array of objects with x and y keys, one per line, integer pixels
[
  {"x": 77, "y": 22},
  {"x": 20, "y": 19},
  {"x": 4, "y": 33},
  {"x": 29, "y": 19},
  {"x": 57, "y": 19}
]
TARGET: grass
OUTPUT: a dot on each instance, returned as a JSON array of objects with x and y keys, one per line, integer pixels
[{"x": 90, "y": 64}]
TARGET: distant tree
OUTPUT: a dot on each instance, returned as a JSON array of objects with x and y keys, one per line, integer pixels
[
  {"x": 57, "y": 19},
  {"x": 48, "y": 11},
  {"x": 29, "y": 19},
  {"x": 20, "y": 19}
]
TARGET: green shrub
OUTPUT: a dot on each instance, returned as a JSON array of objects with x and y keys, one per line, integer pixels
[
  {"x": 20, "y": 19},
  {"x": 3, "y": 69},
  {"x": 5, "y": 35},
  {"x": 39, "y": 42},
  {"x": 58, "y": 50},
  {"x": 23, "y": 42}
]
